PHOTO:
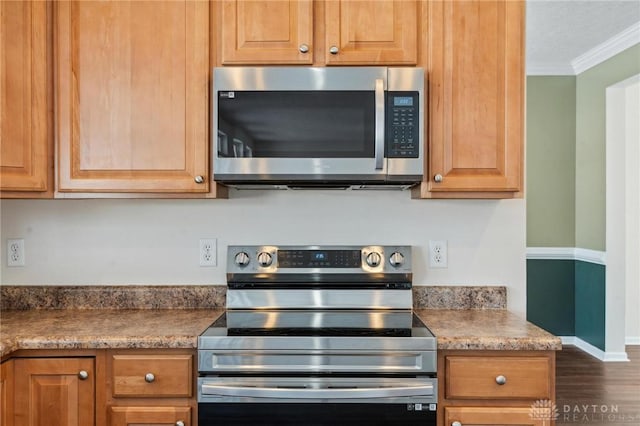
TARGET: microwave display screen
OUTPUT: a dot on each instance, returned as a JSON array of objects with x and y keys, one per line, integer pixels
[
  {"x": 402, "y": 101},
  {"x": 296, "y": 124}
]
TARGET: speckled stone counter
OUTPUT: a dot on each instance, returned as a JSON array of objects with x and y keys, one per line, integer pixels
[
  {"x": 100, "y": 317},
  {"x": 113, "y": 297},
  {"x": 486, "y": 330},
  {"x": 103, "y": 328}
]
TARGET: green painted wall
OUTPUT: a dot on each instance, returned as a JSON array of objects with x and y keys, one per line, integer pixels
[
  {"x": 590, "y": 144},
  {"x": 590, "y": 303},
  {"x": 551, "y": 161},
  {"x": 551, "y": 295}
]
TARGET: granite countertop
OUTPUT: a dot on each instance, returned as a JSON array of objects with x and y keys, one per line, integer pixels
[
  {"x": 102, "y": 317},
  {"x": 103, "y": 328},
  {"x": 166, "y": 328},
  {"x": 486, "y": 330}
]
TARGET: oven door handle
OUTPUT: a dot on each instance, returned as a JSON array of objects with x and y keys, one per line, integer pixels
[{"x": 317, "y": 393}]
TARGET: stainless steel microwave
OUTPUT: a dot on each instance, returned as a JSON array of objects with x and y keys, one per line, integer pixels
[{"x": 318, "y": 126}]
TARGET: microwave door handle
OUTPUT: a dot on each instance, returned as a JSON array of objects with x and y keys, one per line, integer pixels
[{"x": 380, "y": 119}]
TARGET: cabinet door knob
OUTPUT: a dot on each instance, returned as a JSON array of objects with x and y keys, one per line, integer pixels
[
  {"x": 83, "y": 375},
  {"x": 456, "y": 424},
  {"x": 179, "y": 423},
  {"x": 149, "y": 377},
  {"x": 199, "y": 179},
  {"x": 334, "y": 50},
  {"x": 438, "y": 178},
  {"x": 501, "y": 380},
  {"x": 304, "y": 48}
]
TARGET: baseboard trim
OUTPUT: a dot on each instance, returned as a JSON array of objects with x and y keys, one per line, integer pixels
[
  {"x": 593, "y": 351},
  {"x": 567, "y": 253},
  {"x": 632, "y": 340}
]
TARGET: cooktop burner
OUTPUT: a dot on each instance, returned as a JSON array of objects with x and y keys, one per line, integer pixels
[{"x": 319, "y": 323}]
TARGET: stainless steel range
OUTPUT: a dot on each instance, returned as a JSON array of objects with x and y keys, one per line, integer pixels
[{"x": 318, "y": 335}]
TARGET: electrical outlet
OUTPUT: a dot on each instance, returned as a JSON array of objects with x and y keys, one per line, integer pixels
[
  {"x": 438, "y": 254},
  {"x": 15, "y": 252},
  {"x": 208, "y": 252}
]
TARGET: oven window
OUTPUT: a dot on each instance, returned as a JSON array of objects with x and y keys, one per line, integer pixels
[
  {"x": 300, "y": 124},
  {"x": 284, "y": 414}
]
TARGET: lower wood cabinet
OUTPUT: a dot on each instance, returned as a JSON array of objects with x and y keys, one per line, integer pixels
[
  {"x": 151, "y": 387},
  {"x": 6, "y": 393},
  {"x": 124, "y": 387},
  {"x": 490, "y": 416},
  {"x": 54, "y": 391},
  {"x": 496, "y": 388},
  {"x": 150, "y": 416}
]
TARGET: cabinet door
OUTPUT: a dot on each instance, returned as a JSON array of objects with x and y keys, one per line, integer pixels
[
  {"x": 492, "y": 416},
  {"x": 151, "y": 416},
  {"x": 6, "y": 393},
  {"x": 24, "y": 140},
  {"x": 132, "y": 91},
  {"x": 376, "y": 32},
  {"x": 267, "y": 32},
  {"x": 51, "y": 391},
  {"x": 476, "y": 95}
]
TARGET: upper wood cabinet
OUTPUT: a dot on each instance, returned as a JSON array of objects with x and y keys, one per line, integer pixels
[
  {"x": 25, "y": 148},
  {"x": 475, "y": 64},
  {"x": 339, "y": 32},
  {"x": 132, "y": 96},
  {"x": 359, "y": 32},
  {"x": 267, "y": 32}
]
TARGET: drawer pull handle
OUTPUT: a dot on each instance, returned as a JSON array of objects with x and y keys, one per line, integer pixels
[
  {"x": 83, "y": 375},
  {"x": 501, "y": 380},
  {"x": 149, "y": 378},
  {"x": 456, "y": 424},
  {"x": 438, "y": 178},
  {"x": 199, "y": 179},
  {"x": 334, "y": 50},
  {"x": 179, "y": 423}
]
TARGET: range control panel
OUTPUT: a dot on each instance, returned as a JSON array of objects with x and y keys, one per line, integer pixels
[
  {"x": 403, "y": 117},
  {"x": 318, "y": 259}
]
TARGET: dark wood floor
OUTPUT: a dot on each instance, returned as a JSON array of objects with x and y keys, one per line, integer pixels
[{"x": 595, "y": 393}]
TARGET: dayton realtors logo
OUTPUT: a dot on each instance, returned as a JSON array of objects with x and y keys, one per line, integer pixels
[
  {"x": 597, "y": 413},
  {"x": 543, "y": 409}
]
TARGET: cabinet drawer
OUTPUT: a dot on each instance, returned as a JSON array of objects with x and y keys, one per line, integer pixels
[
  {"x": 480, "y": 377},
  {"x": 152, "y": 375}
]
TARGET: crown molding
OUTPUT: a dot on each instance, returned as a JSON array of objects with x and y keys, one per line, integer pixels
[
  {"x": 608, "y": 49},
  {"x": 592, "y": 57}
]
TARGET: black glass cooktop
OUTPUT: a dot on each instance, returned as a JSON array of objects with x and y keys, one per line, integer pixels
[{"x": 319, "y": 323}]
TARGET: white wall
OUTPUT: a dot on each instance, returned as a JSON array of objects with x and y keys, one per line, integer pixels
[
  {"x": 632, "y": 187},
  {"x": 82, "y": 242},
  {"x": 622, "y": 217}
]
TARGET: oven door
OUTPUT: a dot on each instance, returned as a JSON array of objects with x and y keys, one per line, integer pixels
[{"x": 316, "y": 401}]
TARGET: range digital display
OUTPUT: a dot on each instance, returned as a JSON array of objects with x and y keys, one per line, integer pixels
[{"x": 319, "y": 259}]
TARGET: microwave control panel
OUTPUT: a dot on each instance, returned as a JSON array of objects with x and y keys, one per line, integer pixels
[{"x": 403, "y": 118}]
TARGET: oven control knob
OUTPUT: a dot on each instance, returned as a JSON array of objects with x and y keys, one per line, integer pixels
[
  {"x": 242, "y": 259},
  {"x": 264, "y": 259},
  {"x": 373, "y": 259},
  {"x": 397, "y": 259}
]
